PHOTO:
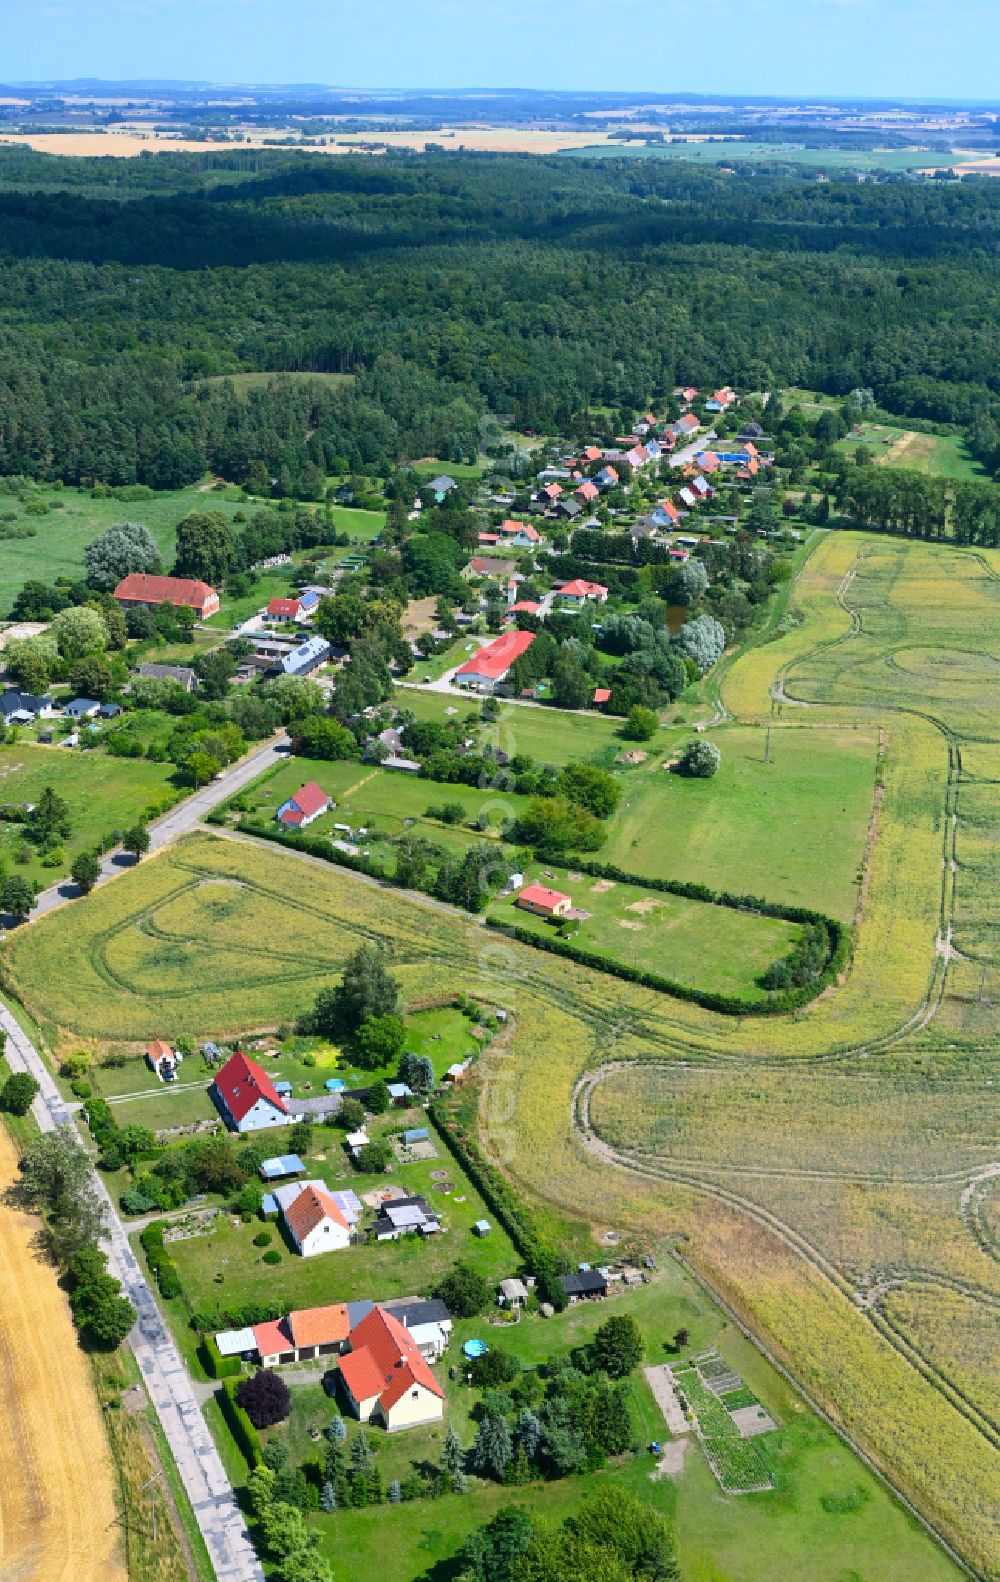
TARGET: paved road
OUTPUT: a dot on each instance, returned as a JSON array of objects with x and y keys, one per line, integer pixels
[
  {"x": 680, "y": 458},
  {"x": 171, "y": 1391},
  {"x": 182, "y": 818}
]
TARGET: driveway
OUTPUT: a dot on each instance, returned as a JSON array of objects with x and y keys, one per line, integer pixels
[
  {"x": 170, "y": 1389},
  {"x": 680, "y": 458},
  {"x": 179, "y": 821}
]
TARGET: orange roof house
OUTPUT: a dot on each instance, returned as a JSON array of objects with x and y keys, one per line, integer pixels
[
  {"x": 316, "y": 1223},
  {"x": 386, "y": 1378}
]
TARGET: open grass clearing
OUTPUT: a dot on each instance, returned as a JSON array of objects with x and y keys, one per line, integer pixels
[
  {"x": 244, "y": 383},
  {"x": 74, "y": 518},
  {"x": 103, "y": 794},
  {"x": 742, "y": 151},
  {"x": 690, "y": 942}
]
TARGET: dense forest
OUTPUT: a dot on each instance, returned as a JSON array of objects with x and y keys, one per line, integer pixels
[{"x": 449, "y": 286}]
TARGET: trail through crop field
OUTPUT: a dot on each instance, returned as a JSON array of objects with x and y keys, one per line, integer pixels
[
  {"x": 829, "y": 1173},
  {"x": 57, "y": 1511}
]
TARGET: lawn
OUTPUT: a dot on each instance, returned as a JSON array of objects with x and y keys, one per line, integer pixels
[
  {"x": 244, "y": 383},
  {"x": 428, "y": 467},
  {"x": 718, "y": 1537},
  {"x": 225, "y": 1266},
  {"x": 551, "y": 736},
  {"x": 74, "y": 519},
  {"x": 276, "y": 583},
  {"x": 103, "y": 793},
  {"x": 384, "y": 802},
  {"x": 752, "y": 827}
]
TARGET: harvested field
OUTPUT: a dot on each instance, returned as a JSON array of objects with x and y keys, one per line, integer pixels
[{"x": 57, "y": 1510}]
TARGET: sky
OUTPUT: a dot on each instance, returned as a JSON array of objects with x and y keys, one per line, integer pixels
[{"x": 865, "y": 48}]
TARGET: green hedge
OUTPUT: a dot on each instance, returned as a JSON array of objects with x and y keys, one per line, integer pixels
[
  {"x": 239, "y": 1424},
  {"x": 215, "y": 1364},
  {"x": 725, "y": 1004},
  {"x": 161, "y": 1265}
]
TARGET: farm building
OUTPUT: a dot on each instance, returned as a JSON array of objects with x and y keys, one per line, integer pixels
[
  {"x": 140, "y": 590},
  {"x": 247, "y": 1097},
  {"x": 586, "y": 1284},
  {"x": 490, "y": 666},
  {"x": 386, "y": 1377},
  {"x": 543, "y": 902},
  {"x": 307, "y": 804}
]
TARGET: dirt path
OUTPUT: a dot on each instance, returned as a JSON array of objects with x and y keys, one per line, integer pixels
[
  {"x": 57, "y": 1508},
  {"x": 897, "y": 450}
]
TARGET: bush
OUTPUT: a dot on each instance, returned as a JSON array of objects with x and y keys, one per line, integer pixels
[
  {"x": 263, "y": 1238},
  {"x": 373, "y": 1159},
  {"x": 273, "y": 1256},
  {"x": 465, "y": 1292},
  {"x": 700, "y": 759},
  {"x": 641, "y": 724},
  {"x": 265, "y": 1397},
  {"x": 17, "y": 1093}
]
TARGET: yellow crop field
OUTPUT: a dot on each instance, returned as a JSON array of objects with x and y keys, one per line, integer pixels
[
  {"x": 57, "y": 1508},
  {"x": 827, "y": 1172}
]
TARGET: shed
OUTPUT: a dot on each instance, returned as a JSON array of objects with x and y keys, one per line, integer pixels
[
  {"x": 269, "y": 1203},
  {"x": 280, "y": 1165},
  {"x": 284, "y": 1088},
  {"x": 513, "y": 1292},
  {"x": 482, "y": 1227}
]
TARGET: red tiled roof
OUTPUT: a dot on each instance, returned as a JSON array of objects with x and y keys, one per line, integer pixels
[
  {"x": 540, "y": 895},
  {"x": 242, "y": 1082},
  {"x": 528, "y": 606},
  {"x": 602, "y": 694},
  {"x": 588, "y": 490},
  {"x": 591, "y": 453},
  {"x": 320, "y": 1326},
  {"x": 511, "y": 528},
  {"x": 553, "y": 490},
  {"x": 496, "y": 658},
  {"x": 283, "y": 607},
  {"x": 272, "y": 1337},
  {"x": 309, "y": 1209},
  {"x": 158, "y": 1048},
  {"x": 310, "y": 798},
  {"x": 579, "y": 589},
  {"x": 384, "y": 1360},
  {"x": 140, "y": 585}
]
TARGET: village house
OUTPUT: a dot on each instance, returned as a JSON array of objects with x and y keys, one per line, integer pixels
[
  {"x": 587, "y": 491},
  {"x": 285, "y": 609},
  {"x": 141, "y": 590},
  {"x": 82, "y": 708},
  {"x": 315, "y": 1222},
  {"x": 308, "y": 803},
  {"x": 543, "y": 902},
  {"x": 521, "y": 535},
  {"x": 20, "y": 708},
  {"x": 247, "y": 1097},
  {"x": 488, "y": 566},
  {"x": 183, "y": 675},
  {"x": 489, "y": 667},
  {"x": 442, "y": 486},
  {"x": 301, "y": 1337},
  {"x": 385, "y": 1376},
  {"x": 162, "y": 1059},
  {"x": 304, "y": 658},
  {"x": 607, "y": 478},
  {"x": 664, "y": 515},
  {"x": 578, "y": 592}
]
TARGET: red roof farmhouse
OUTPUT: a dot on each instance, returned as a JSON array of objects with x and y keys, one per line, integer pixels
[
  {"x": 490, "y": 665},
  {"x": 140, "y": 588},
  {"x": 247, "y": 1096}
]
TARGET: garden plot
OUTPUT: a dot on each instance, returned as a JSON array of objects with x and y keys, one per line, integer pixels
[{"x": 729, "y": 1438}]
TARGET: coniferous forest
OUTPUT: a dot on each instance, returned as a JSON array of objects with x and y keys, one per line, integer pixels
[{"x": 449, "y": 286}]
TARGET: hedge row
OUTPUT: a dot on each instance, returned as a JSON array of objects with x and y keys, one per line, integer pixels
[
  {"x": 215, "y": 1364},
  {"x": 239, "y": 1424},
  {"x": 724, "y": 1004},
  {"x": 242, "y": 1316},
  {"x": 161, "y": 1265},
  {"x": 543, "y": 1260}
]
